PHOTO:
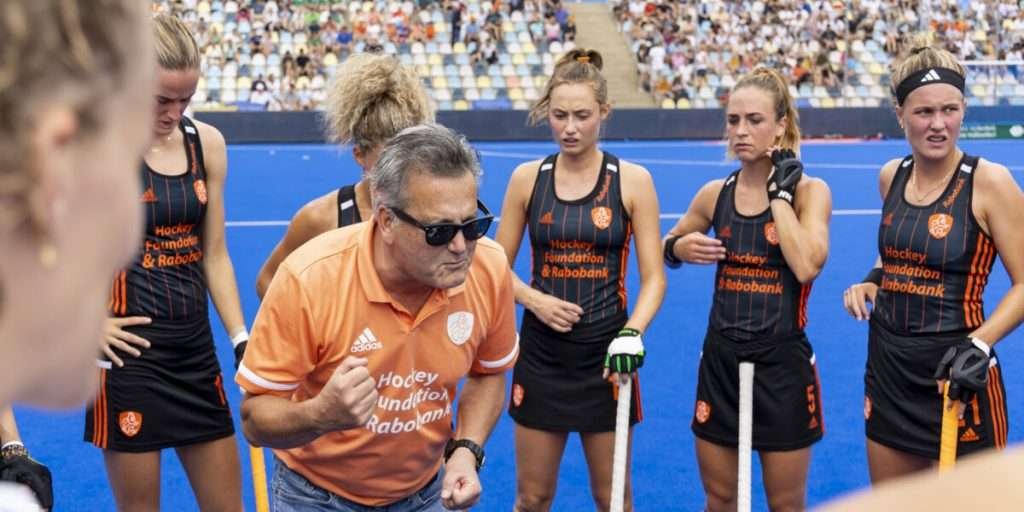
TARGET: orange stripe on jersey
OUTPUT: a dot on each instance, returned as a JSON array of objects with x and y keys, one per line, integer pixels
[
  {"x": 624, "y": 257},
  {"x": 124, "y": 293},
  {"x": 220, "y": 389},
  {"x": 997, "y": 408},
  {"x": 99, "y": 415},
  {"x": 805, "y": 293},
  {"x": 113, "y": 292},
  {"x": 986, "y": 266},
  {"x": 973, "y": 280},
  {"x": 195, "y": 162},
  {"x": 96, "y": 413},
  {"x": 817, "y": 387}
]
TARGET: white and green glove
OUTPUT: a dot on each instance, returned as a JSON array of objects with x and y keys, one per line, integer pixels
[{"x": 625, "y": 352}]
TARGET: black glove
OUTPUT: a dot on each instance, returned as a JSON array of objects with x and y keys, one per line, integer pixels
[
  {"x": 240, "y": 352},
  {"x": 788, "y": 170},
  {"x": 21, "y": 468},
  {"x": 966, "y": 367}
]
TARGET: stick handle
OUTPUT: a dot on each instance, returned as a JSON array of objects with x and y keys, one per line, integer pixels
[
  {"x": 746, "y": 428},
  {"x": 259, "y": 474},
  {"x": 259, "y": 478},
  {"x": 950, "y": 425},
  {"x": 621, "y": 443}
]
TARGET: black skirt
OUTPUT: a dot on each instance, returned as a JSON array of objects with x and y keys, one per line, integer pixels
[
  {"x": 172, "y": 395},
  {"x": 557, "y": 383}
]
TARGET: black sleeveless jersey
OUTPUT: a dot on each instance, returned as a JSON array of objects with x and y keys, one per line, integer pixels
[
  {"x": 756, "y": 296},
  {"x": 166, "y": 279},
  {"x": 935, "y": 258},
  {"x": 348, "y": 210},
  {"x": 580, "y": 248}
]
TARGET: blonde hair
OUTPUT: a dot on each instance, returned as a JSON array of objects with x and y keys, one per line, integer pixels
[
  {"x": 922, "y": 55},
  {"x": 772, "y": 82},
  {"x": 56, "y": 52},
  {"x": 176, "y": 49},
  {"x": 576, "y": 66},
  {"x": 372, "y": 98}
]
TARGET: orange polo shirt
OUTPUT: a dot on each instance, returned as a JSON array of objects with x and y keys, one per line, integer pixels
[{"x": 325, "y": 303}]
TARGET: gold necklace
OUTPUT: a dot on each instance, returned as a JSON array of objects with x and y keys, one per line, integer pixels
[{"x": 913, "y": 183}]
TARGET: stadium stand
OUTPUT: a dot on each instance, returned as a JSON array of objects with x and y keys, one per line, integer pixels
[
  {"x": 279, "y": 55},
  {"x": 479, "y": 54},
  {"x": 836, "y": 53}
]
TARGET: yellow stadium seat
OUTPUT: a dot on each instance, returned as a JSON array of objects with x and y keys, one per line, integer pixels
[
  {"x": 668, "y": 103},
  {"x": 461, "y": 105},
  {"x": 683, "y": 103}
]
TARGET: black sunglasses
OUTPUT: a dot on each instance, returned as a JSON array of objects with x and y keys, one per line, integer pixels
[{"x": 443, "y": 232}]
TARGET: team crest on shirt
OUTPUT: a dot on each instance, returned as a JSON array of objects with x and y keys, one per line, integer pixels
[
  {"x": 460, "y": 326},
  {"x": 939, "y": 225},
  {"x": 200, "y": 187},
  {"x": 517, "y": 394},
  {"x": 887, "y": 220},
  {"x": 770, "y": 234},
  {"x": 130, "y": 422},
  {"x": 867, "y": 408},
  {"x": 703, "y": 411},
  {"x": 726, "y": 232},
  {"x": 602, "y": 216}
]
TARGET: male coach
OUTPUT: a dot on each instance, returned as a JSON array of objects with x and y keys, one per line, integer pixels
[{"x": 364, "y": 333}]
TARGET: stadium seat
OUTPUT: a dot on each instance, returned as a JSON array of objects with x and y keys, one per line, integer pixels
[{"x": 668, "y": 103}]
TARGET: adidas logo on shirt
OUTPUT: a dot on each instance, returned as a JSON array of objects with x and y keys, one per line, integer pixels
[
  {"x": 969, "y": 436},
  {"x": 149, "y": 196},
  {"x": 366, "y": 342},
  {"x": 931, "y": 76}
]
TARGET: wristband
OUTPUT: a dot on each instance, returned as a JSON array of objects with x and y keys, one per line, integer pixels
[
  {"x": 984, "y": 347},
  {"x": 669, "y": 252},
  {"x": 13, "y": 449},
  {"x": 239, "y": 336}
]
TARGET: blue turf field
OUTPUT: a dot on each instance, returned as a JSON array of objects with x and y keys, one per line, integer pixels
[{"x": 267, "y": 184}]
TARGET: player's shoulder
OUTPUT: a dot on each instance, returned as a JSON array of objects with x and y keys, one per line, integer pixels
[
  {"x": 889, "y": 168},
  {"x": 211, "y": 137},
  {"x": 713, "y": 188},
  {"x": 628, "y": 168},
  {"x": 527, "y": 170},
  {"x": 993, "y": 174},
  {"x": 319, "y": 214}
]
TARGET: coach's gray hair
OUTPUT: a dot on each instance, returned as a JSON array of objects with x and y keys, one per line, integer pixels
[{"x": 428, "y": 148}]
